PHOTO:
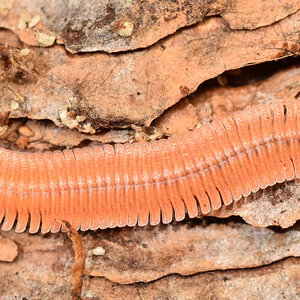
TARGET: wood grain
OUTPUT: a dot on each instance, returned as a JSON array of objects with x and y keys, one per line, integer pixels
[{"x": 142, "y": 183}]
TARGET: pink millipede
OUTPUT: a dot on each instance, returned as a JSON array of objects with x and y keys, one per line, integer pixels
[{"x": 148, "y": 183}]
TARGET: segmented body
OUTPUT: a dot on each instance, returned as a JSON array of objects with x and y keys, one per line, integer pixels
[{"x": 141, "y": 183}]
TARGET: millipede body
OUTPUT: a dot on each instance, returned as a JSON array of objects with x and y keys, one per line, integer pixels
[{"x": 151, "y": 182}]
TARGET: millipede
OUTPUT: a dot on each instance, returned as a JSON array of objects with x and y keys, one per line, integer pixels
[{"x": 151, "y": 182}]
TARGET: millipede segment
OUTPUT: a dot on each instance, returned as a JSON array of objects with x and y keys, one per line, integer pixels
[{"x": 148, "y": 183}]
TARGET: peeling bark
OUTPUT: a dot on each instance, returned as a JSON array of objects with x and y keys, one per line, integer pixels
[{"x": 136, "y": 87}]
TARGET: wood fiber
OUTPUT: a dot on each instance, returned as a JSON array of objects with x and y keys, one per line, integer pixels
[{"x": 142, "y": 183}]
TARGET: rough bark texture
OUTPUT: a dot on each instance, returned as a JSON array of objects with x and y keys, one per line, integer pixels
[
  {"x": 42, "y": 270},
  {"x": 148, "y": 81},
  {"x": 135, "y": 87}
]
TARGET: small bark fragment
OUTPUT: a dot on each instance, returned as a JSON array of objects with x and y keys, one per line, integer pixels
[
  {"x": 80, "y": 255},
  {"x": 8, "y": 250}
]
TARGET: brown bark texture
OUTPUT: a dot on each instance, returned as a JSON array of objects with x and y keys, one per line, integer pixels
[{"x": 76, "y": 73}]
